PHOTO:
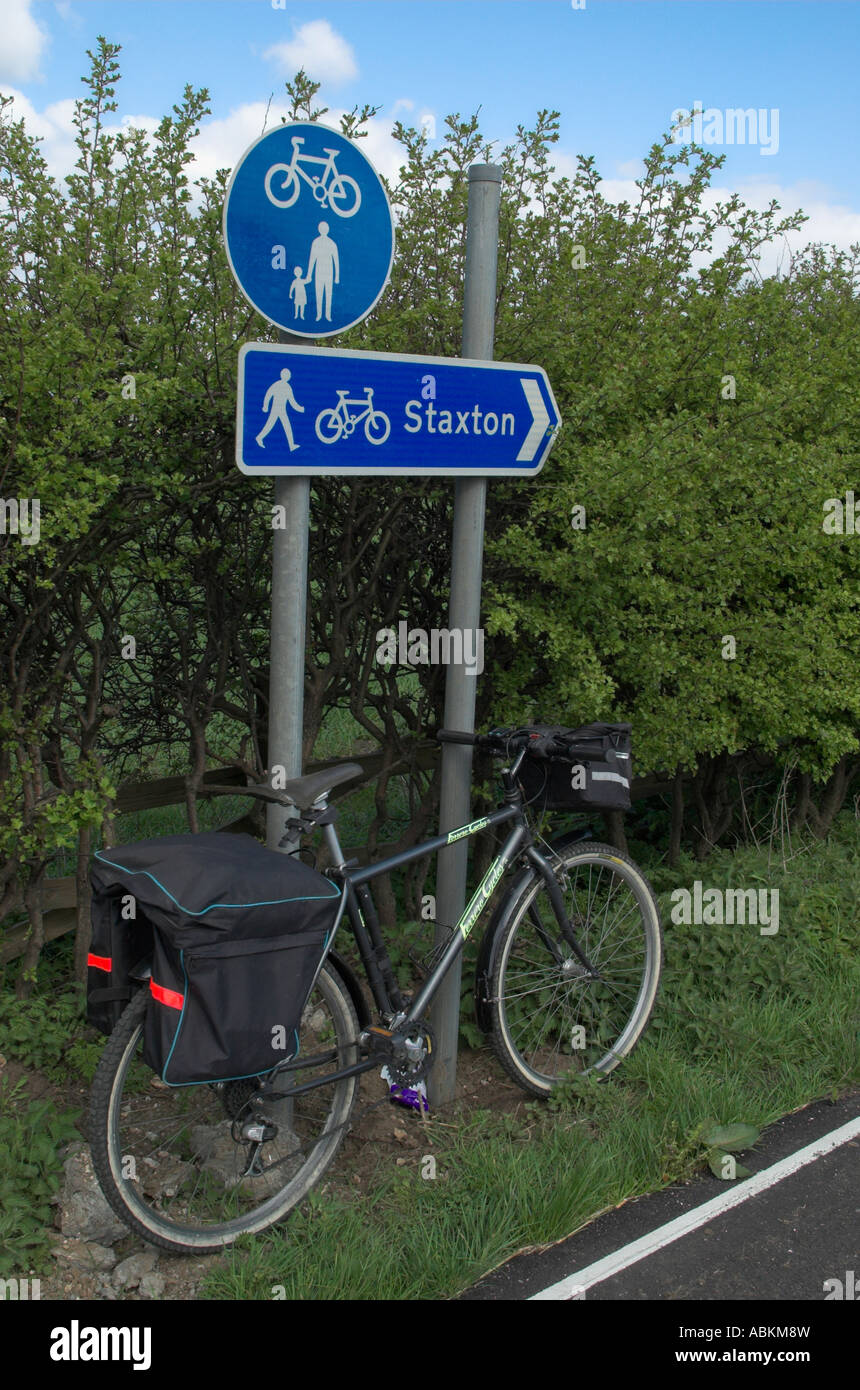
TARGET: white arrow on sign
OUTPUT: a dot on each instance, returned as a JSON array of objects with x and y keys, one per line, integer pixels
[{"x": 540, "y": 420}]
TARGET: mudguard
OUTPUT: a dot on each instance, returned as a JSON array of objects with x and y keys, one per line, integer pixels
[{"x": 492, "y": 936}]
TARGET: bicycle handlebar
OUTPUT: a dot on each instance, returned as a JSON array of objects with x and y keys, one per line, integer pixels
[
  {"x": 504, "y": 741},
  {"x": 537, "y": 743}
]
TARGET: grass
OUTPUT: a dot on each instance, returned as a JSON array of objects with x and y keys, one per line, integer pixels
[
  {"x": 748, "y": 1027},
  {"x": 31, "y": 1137}
]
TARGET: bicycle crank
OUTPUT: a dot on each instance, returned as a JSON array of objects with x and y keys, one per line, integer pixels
[{"x": 408, "y": 1052}]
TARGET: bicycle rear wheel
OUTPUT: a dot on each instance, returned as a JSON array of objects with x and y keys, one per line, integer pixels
[
  {"x": 549, "y": 1014},
  {"x": 172, "y": 1161},
  {"x": 329, "y": 426}
]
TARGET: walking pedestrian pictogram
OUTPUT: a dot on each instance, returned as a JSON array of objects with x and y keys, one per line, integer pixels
[{"x": 276, "y": 400}]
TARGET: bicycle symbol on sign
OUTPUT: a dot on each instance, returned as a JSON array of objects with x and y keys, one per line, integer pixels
[
  {"x": 330, "y": 188},
  {"x": 332, "y": 425}
]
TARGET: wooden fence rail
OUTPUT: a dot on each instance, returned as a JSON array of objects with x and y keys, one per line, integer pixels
[{"x": 59, "y": 894}]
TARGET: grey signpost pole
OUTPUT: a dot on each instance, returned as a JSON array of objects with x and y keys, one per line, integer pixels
[
  {"x": 479, "y": 304},
  {"x": 288, "y": 633},
  {"x": 255, "y": 229}
]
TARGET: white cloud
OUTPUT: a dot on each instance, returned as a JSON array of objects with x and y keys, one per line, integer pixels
[
  {"x": 319, "y": 49},
  {"x": 53, "y": 126},
  {"x": 23, "y": 43},
  {"x": 829, "y": 222},
  {"x": 67, "y": 14},
  {"x": 221, "y": 142}
]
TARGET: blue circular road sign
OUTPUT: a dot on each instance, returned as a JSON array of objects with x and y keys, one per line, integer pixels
[{"x": 308, "y": 230}]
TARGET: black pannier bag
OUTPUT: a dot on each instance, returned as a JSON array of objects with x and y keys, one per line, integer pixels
[
  {"x": 593, "y": 772},
  {"x": 238, "y": 932}
]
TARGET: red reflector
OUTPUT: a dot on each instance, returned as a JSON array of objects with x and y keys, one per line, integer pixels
[
  {"x": 166, "y": 996},
  {"x": 99, "y": 962}
]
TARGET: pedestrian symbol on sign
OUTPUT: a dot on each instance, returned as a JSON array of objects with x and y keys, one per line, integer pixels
[
  {"x": 323, "y": 267},
  {"x": 277, "y": 398}
]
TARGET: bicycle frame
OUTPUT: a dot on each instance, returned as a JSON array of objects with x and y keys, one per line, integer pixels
[
  {"x": 364, "y": 402},
  {"x": 298, "y": 159},
  {"x": 358, "y": 903}
]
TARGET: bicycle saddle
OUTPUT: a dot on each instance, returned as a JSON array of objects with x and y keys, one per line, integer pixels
[{"x": 301, "y": 792}]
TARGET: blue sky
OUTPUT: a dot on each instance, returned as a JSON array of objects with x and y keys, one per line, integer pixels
[{"x": 615, "y": 69}]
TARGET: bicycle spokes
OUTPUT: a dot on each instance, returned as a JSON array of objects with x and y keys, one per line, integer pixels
[{"x": 567, "y": 994}]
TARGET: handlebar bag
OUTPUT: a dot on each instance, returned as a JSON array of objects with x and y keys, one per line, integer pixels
[
  {"x": 238, "y": 933},
  {"x": 588, "y": 768}
]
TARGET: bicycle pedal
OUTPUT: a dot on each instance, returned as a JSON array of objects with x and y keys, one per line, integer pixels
[
  {"x": 378, "y": 1039},
  {"x": 410, "y": 1097}
]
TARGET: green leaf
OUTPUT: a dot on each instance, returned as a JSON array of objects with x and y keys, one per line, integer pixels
[{"x": 739, "y": 1136}]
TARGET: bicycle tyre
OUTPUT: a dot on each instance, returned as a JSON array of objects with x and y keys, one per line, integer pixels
[
  {"x": 292, "y": 183},
  {"x": 330, "y": 431},
  {"x": 537, "y": 1003},
  {"x": 344, "y": 184},
  {"x": 166, "y": 1203},
  {"x": 378, "y": 420}
]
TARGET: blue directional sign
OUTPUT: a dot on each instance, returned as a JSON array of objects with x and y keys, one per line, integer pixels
[
  {"x": 324, "y": 410},
  {"x": 308, "y": 229}
]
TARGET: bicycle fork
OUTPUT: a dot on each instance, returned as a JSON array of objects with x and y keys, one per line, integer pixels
[{"x": 565, "y": 924}]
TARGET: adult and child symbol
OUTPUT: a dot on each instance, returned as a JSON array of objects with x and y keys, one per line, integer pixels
[{"x": 323, "y": 269}]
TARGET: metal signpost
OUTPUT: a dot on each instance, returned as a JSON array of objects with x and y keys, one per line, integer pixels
[
  {"x": 467, "y": 554},
  {"x": 310, "y": 239}
]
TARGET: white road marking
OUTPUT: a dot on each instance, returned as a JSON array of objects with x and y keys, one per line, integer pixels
[{"x": 574, "y": 1284}]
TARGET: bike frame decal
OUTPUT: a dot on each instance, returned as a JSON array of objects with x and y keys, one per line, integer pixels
[
  {"x": 472, "y": 829},
  {"x": 482, "y": 893}
]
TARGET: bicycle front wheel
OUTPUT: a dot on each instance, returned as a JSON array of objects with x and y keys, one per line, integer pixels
[
  {"x": 550, "y": 1013},
  {"x": 344, "y": 196},
  {"x": 377, "y": 427},
  {"x": 174, "y": 1163}
]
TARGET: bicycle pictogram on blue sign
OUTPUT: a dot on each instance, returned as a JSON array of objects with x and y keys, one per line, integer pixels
[{"x": 331, "y": 189}]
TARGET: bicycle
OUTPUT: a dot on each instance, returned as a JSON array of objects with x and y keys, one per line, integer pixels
[
  {"x": 340, "y": 185},
  {"x": 331, "y": 425},
  {"x": 566, "y": 980}
]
